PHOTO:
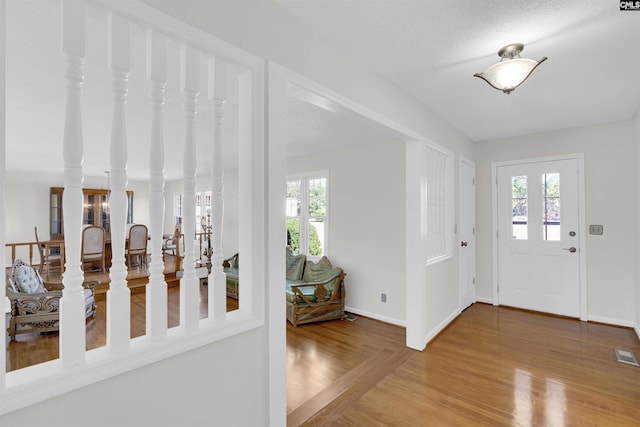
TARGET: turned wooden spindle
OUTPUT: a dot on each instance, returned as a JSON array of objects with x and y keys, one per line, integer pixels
[{"x": 157, "y": 287}]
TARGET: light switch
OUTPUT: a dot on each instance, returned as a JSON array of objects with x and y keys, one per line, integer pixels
[{"x": 596, "y": 230}]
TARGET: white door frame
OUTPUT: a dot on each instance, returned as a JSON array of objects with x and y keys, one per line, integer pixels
[
  {"x": 473, "y": 219},
  {"x": 582, "y": 235},
  {"x": 281, "y": 83}
]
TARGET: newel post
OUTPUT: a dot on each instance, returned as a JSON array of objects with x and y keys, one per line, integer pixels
[
  {"x": 189, "y": 284},
  {"x": 218, "y": 279},
  {"x": 118, "y": 296},
  {"x": 72, "y": 319},
  {"x": 157, "y": 287}
]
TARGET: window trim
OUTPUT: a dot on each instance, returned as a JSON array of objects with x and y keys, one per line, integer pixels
[
  {"x": 304, "y": 210},
  {"x": 448, "y": 207}
]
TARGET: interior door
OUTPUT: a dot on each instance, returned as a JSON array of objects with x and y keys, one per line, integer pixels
[
  {"x": 538, "y": 226},
  {"x": 466, "y": 233}
]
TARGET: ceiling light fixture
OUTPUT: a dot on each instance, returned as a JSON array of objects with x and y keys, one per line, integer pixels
[{"x": 511, "y": 71}]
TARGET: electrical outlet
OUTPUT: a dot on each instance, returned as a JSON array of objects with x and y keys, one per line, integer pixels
[{"x": 383, "y": 297}]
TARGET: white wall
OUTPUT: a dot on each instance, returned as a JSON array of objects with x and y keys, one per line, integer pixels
[
  {"x": 443, "y": 295},
  {"x": 610, "y": 178},
  {"x": 221, "y": 384},
  {"x": 221, "y": 396},
  {"x": 265, "y": 29},
  {"x": 636, "y": 144},
  {"x": 366, "y": 223},
  {"x": 366, "y": 185}
]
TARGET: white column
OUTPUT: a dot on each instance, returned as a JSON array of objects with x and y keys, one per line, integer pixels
[
  {"x": 118, "y": 297},
  {"x": 157, "y": 288},
  {"x": 276, "y": 229},
  {"x": 3, "y": 237},
  {"x": 217, "y": 279},
  {"x": 189, "y": 284},
  {"x": 72, "y": 321}
]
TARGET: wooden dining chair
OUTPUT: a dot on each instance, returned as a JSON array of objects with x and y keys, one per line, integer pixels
[
  {"x": 50, "y": 255},
  {"x": 137, "y": 244},
  {"x": 93, "y": 241}
]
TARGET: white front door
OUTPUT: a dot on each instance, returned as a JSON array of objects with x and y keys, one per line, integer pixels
[
  {"x": 538, "y": 236},
  {"x": 466, "y": 234}
]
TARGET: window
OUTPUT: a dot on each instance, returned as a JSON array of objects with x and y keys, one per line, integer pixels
[
  {"x": 520, "y": 207},
  {"x": 203, "y": 208},
  {"x": 307, "y": 214},
  {"x": 550, "y": 199},
  {"x": 551, "y": 211},
  {"x": 439, "y": 204},
  {"x": 177, "y": 208}
]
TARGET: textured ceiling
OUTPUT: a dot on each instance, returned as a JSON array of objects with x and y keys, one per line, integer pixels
[
  {"x": 36, "y": 102},
  {"x": 431, "y": 49}
]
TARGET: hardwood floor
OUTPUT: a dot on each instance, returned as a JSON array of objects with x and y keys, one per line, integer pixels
[
  {"x": 492, "y": 366},
  {"x": 31, "y": 349}
]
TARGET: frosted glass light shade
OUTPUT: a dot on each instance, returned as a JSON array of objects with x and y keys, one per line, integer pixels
[{"x": 512, "y": 71}]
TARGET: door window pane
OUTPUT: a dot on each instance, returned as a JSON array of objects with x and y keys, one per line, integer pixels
[
  {"x": 551, "y": 204},
  {"x": 520, "y": 211}
]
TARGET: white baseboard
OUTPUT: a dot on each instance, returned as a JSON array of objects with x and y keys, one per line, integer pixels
[
  {"x": 376, "y": 316},
  {"x": 612, "y": 321},
  {"x": 485, "y": 300},
  {"x": 637, "y": 329},
  {"x": 435, "y": 331}
]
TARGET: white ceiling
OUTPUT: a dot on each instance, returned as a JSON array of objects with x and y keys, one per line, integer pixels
[
  {"x": 432, "y": 48},
  {"x": 36, "y": 103}
]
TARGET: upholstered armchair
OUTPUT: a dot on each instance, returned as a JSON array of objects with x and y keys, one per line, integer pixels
[{"x": 34, "y": 306}]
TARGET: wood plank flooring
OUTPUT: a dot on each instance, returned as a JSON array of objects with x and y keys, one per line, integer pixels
[
  {"x": 31, "y": 349},
  {"x": 492, "y": 366}
]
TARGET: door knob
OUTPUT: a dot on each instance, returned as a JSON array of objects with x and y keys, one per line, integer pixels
[
  {"x": 571, "y": 249},
  {"x": 463, "y": 244}
]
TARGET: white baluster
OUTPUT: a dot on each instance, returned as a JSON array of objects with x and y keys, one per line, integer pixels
[
  {"x": 157, "y": 287},
  {"x": 217, "y": 278},
  {"x": 72, "y": 319},
  {"x": 189, "y": 285},
  {"x": 118, "y": 296}
]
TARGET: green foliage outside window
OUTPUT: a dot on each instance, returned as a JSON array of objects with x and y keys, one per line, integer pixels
[{"x": 293, "y": 226}]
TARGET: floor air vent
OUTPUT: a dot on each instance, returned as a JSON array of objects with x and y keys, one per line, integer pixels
[{"x": 625, "y": 356}]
